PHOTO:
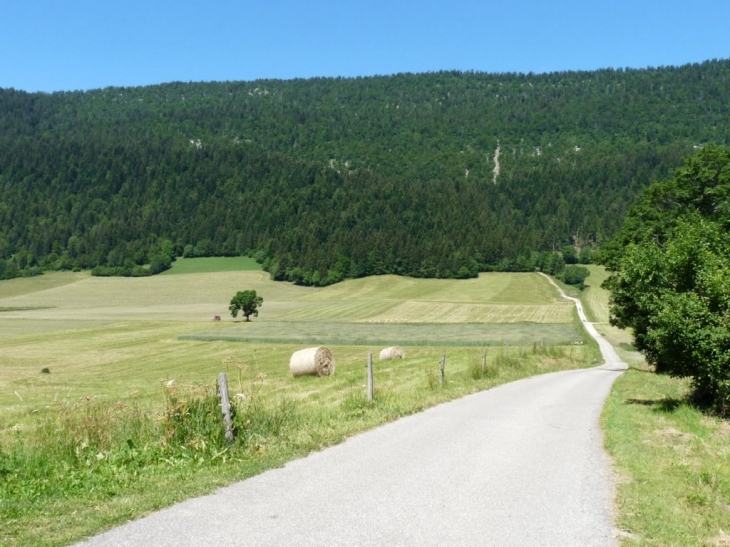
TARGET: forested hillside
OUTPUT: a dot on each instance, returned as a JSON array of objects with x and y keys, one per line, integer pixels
[{"x": 440, "y": 174}]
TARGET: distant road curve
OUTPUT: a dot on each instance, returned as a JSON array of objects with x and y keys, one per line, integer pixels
[{"x": 518, "y": 465}]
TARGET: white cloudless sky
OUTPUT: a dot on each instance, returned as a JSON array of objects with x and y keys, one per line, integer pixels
[{"x": 53, "y": 45}]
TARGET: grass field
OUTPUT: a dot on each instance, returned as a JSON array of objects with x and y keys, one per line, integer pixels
[
  {"x": 594, "y": 297},
  {"x": 212, "y": 264},
  {"x": 672, "y": 461},
  {"x": 403, "y": 334},
  {"x": 112, "y": 336},
  {"x": 82, "y": 445}
]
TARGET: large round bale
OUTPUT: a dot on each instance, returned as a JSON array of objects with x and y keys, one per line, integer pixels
[
  {"x": 312, "y": 362},
  {"x": 393, "y": 352}
]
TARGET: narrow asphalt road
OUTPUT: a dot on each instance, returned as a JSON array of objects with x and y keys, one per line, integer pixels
[{"x": 518, "y": 465}]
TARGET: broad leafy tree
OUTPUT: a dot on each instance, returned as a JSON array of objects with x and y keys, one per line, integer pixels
[
  {"x": 247, "y": 302},
  {"x": 671, "y": 283}
]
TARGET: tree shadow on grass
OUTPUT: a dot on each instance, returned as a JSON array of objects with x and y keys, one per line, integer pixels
[{"x": 666, "y": 405}]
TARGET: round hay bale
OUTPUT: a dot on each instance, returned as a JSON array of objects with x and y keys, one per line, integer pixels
[
  {"x": 312, "y": 362},
  {"x": 393, "y": 352}
]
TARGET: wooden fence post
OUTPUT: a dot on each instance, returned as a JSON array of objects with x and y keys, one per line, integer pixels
[
  {"x": 225, "y": 405},
  {"x": 442, "y": 377},
  {"x": 484, "y": 361},
  {"x": 371, "y": 386}
]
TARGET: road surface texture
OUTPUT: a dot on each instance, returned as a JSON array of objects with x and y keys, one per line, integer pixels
[{"x": 518, "y": 465}]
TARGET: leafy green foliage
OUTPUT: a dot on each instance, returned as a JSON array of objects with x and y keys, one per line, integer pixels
[
  {"x": 574, "y": 275},
  {"x": 672, "y": 281},
  {"x": 570, "y": 256},
  {"x": 247, "y": 302}
]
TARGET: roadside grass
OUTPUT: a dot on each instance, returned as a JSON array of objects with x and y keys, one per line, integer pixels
[
  {"x": 102, "y": 421},
  {"x": 212, "y": 264},
  {"x": 672, "y": 464},
  {"x": 672, "y": 461}
]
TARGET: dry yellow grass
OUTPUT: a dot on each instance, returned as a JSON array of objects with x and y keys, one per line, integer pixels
[
  {"x": 27, "y": 285},
  {"x": 491, "y": 298},
  {"x": 442, "y": 312},
  {"x": 594, "y": 297}
]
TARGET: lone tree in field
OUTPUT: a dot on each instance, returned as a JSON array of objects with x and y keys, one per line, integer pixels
[{"x": 247, "y": 303}]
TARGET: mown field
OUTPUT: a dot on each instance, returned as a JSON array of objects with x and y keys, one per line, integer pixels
[{"x": 106, "y": 432}]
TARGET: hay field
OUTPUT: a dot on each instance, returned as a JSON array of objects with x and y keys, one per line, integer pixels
[
  {"x": 118, "y": 336},
  {"x": 491, "y": 298},
  {"x": 404, "y": 334},
  {"x": 27, "y": 285}
]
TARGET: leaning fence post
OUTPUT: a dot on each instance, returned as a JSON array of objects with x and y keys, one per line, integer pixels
[
  {"x": 370, "y": 377},
  {"x": 225, "y": 405},
  {"x": 443, "y": 370}
]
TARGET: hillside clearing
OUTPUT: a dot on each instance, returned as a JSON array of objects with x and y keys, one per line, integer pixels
[{"x": 212, "y": 264}]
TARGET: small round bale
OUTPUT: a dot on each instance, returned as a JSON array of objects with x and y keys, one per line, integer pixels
[
  {"x": 393, "y": 352},
  {"x": 312, "y": 362}
]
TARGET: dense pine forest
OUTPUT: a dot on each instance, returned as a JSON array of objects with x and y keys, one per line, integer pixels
[{"x": 432, "y": 175}]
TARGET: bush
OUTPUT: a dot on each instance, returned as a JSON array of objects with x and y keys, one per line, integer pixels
[
  {"x": 159, "y": 263},
  {"x": 574, "y": 275},
  {"x": 675, "y": 298}
]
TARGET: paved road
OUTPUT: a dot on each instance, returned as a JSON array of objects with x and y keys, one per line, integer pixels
[{"x": 518, "y": 465}]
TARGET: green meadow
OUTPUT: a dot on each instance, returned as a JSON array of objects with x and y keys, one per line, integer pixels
[
  {"x": 107, "y": 385},
  {"x": 212, "y": 264}
]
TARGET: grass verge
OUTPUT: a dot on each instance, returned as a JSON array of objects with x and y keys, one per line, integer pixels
[{"x": 672, "y": 462}]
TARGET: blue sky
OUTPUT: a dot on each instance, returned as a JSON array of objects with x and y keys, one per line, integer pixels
[{"x": 51, "y": 45}]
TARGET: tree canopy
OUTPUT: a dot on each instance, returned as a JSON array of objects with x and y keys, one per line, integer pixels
[
  {"x": 247, "y": 302},
  {"x": 672, "y": 275}
]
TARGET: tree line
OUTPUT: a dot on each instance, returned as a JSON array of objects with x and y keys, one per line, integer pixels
[{"x": 328, "y": 178}]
